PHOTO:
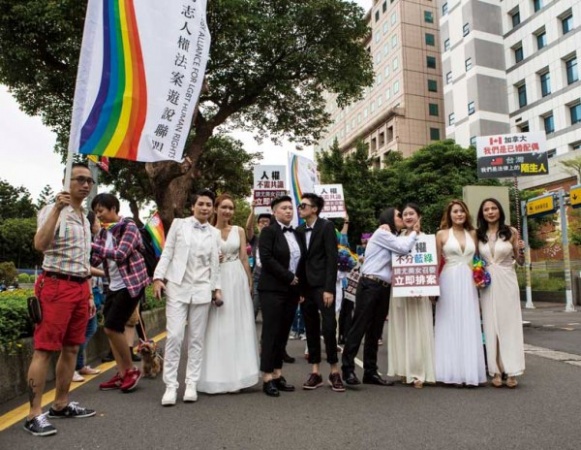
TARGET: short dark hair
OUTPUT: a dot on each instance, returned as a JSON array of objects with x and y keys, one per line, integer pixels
[
  {"x": 202, "y": 193},
  {"x": 106, "y": 200},
  {"x": 317, "y": 200},
  {"x": 282, "y": 198},
  {"x": 263, "y": 216},
  {"x": 76, "y": 164}
]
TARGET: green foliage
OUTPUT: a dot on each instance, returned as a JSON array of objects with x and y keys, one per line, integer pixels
[
  {"x": 17, "y": 242},
  {"x": 14, "y": 320},
  {"x": 150, "y": 301},
  {"x": 23, "y": 278},
  {"x": 542, "y": 280},
  {"x": 573, "y": 166},
  {"x": 15, "y": 202},
  {"x": 8, "y": 272},
  {"x": 45, "y": 197}
]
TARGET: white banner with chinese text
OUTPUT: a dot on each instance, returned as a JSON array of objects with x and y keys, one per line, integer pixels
[{"x": 416, "y": 274}]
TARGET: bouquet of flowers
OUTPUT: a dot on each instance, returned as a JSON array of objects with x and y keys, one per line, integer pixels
[
  {"x": 347, "y": 259},
  {"x": 479, "y": 273}
]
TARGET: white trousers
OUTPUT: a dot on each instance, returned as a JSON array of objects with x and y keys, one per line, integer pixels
[{"x": 197, "y": 318}]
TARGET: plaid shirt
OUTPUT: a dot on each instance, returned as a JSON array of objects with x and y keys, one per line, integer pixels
[
  {"x": 68, "y": 255},
  {"x": 126, "y": 242}
]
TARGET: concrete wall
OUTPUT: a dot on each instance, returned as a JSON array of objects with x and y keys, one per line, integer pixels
[{"x": 14, "y": 368}]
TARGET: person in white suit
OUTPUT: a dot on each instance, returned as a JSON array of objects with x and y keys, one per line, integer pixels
[{"x": 189, "y": 271}]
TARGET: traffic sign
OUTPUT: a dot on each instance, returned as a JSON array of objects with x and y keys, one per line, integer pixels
[
  {"x": 540, "y": 206},
  {"x": 575, "y": 196}
]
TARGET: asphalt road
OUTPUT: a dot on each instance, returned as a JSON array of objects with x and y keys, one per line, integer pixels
[{"x": 542, "y": 413}]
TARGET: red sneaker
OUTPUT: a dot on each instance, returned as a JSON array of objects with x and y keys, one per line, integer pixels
[
  {"x": 113, "y": 383},
  {"x": 130, "y": 380}
]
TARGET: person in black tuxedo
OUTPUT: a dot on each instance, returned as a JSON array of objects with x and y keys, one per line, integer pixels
[
  {"x": 281, "y": 249},
  {"x": 318, "y": 282}
]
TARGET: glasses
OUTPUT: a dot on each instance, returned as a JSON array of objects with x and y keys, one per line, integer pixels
[
  {"x": 305, "y": 205},
  {"x": 83, "y": 180}
]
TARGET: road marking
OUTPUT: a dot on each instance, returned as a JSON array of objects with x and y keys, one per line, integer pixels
[
  {"x": 567, "y": 329},
  {"x": 567, "y": 358},
  {"x": 21, "y": 412}
]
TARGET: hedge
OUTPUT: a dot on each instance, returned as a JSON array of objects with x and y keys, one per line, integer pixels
[{"x": 15, "y": 323}]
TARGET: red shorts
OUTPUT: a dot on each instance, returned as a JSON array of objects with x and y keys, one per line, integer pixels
[{"x": 65, "y": 313}]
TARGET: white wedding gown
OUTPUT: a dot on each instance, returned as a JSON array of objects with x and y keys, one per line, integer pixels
[
  {"x": 230, "y": 361},
  {"x": 459, "y": 354}
]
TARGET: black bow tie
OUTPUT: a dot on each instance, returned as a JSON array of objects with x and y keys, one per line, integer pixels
[
  {"x": 307, "y": 229},
  {"x": 285, "y": 229}
]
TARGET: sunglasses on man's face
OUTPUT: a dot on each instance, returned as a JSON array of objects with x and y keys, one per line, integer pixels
[
  {"x": 304, "y": 205},
  {"x": 82, "y": 180}
]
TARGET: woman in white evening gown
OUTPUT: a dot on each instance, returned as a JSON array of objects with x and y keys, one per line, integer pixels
[
  {"x": 500, "y": 247},
  {"x": 459, "y": 354},
  {"x": 230, "y": 360},
  {"x": 410, "y": 342}
]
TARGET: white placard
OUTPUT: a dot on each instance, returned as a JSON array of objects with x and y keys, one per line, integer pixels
[
  {"x": 334, "y": 200},
  {"x": 269, "y": 183},
  {"x": 416, "y": 274}
]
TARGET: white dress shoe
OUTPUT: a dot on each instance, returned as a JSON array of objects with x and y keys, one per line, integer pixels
[
  {"x": 77, "y": 377},
  {"x": 190, "y": 395},
  {"x": 169, "y": 397}
]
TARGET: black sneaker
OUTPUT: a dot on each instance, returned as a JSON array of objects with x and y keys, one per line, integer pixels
[
  {"x": 39, "y": 426},
  {"x": 72, "y": 410}
]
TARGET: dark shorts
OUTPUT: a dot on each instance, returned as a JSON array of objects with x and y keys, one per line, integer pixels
[
  {"x": 65, "y": 313},
  {"x": 119, "y": 306}
]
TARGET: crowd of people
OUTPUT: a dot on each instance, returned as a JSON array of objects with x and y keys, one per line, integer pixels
[{"x": 216, "y": 277}]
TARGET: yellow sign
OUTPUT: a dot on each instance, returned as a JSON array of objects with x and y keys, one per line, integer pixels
[
  {"x": 539, "y": 206},
  {"x": 575, "y": 196}
]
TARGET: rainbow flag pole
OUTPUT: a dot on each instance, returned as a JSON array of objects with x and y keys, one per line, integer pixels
[{"x": 154, "y": 227}]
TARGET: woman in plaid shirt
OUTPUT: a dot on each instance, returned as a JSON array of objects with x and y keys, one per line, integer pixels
[{"x": 117, "y": 246}]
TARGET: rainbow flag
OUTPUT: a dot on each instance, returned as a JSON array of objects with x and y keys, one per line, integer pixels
[
  {"x": 140, "y": 74},
  {"x": 154, "y": 227},
  {"x": 303, "y": 177}
]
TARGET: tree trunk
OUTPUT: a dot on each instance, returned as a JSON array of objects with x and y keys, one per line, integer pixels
[{"x": 134, "y": 207}]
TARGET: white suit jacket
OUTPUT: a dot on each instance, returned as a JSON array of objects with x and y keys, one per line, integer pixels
[{"x": 178, "y": 244}]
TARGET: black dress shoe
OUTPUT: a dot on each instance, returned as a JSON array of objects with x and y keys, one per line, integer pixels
[
  {"x": 288, "y": 359},
  {"x": 282, "y": 385},
  {"x": 376, "y": 379},
  {"x": 351, "y": 379},
  {"x": 270, "y": 389}
]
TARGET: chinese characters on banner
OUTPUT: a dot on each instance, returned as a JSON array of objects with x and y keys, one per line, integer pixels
[
  {"x": 416, "y": 273},
  {"x": 141, "y": 70},
  {"x": 508, "y": 155},
  {"x": 269, "y": 183},
  {"x": 334, "y": 200}
]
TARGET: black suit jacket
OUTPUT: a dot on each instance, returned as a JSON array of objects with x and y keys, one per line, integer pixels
[
  {"x": 275, "y": 258},
  {"x": 321, "y": 258}
]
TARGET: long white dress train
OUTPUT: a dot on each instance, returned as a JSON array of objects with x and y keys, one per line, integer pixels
[
  {"x": 459, "y": 351},
  {"x": 230, "y": 361},
  {"x": 501, "y": 311}
]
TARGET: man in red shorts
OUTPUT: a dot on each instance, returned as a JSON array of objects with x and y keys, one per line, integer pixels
[{"x": 64, "y": 292}]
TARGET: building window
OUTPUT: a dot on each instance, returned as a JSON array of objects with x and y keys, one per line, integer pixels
[
  {"x": 447, "y": 45},
  {"x": 522, "y": 95},
  {"x": 576, "y": 146},
  {"x": 379, "y": 100},
  {"x": 434, "y": 134},
  {"x": 473, "y": 141},
  {"x": 537, "y": 4},
  {"x": 468, "y": 64},
  {"x": 385, "y": 28},
  {"x": 545, "y": 83},
  {"x": 377, "y": 38},
  {"x": 395, "y": 64},
  {"x": 386, "y": 49},
  {"x": 386, "y": 71},
  {"x": 377, "y": 16},
  {"x": 518, "y": 53},
  {"x": 432, "y": 86},
  {"x": 567, "y": 23},
  {"x": 373, "y": 144},
  {"x": 445, "y": 9},
  {"x": 572, "y": 73},
  {"x": 451, "y": 119},
  {"x": 393, "y": 18},
  {"x": 396, "y": 87},
  {"x": 541, "y": 39},
  {"x": 551, "y": 153},
  {"x": 381, "y": 139},
  {"x": 449, "y": 77},
  {"x": 549, "y": 123},
  {"x": 377, "y": 58},
  {"x": 466, "y": 29},
  {"x": 430, "y": 39},
  {"x": 387, "y": 94},
  {"x": 515, "y": 17},
  {"x": 523, "y": 127},
  {"x": 471, "y": 108},
  {"x": 428, "y": 17},
  {"x": 394, "y": 41},
  {"x": 433, "y": 108},
  {"x": 389, "y": 134},
  {"x": 575, "y": 111},
  {"x": 384, "y": 6},
  {"x": 431, "y": 62}
]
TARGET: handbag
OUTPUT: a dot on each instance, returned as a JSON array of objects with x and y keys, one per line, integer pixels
[{"x": 34, "y": 309}]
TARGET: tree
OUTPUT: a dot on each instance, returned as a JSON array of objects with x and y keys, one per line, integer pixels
[
  {"x": 573, "y": 166},
  {"x": 15, "y": 202},
  {"x": 8, "y": 272},
  {"x": 45, "y": 197},
  {"x": 17, "y": 242},
  {"x": 271, "y": 61}
]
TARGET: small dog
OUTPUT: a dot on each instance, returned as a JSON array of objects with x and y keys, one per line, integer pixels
[{"x": 151, "y": 357}]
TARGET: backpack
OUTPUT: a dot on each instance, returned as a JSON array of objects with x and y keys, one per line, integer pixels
[{"x": 147, "y": 249}]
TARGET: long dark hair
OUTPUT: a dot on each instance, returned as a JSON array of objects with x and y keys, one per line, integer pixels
[
  {"x": 504, "y": 230},
  {"x": 387, "y": 217}
]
